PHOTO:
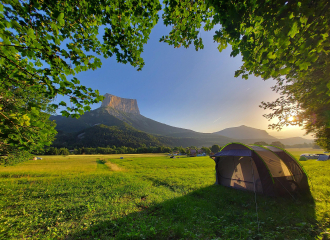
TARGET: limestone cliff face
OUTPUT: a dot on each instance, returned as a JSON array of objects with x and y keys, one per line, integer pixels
[{"x": 120, "y": 104}]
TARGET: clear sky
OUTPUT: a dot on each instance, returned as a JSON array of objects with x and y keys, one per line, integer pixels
[{"x": 189, "y": 89}]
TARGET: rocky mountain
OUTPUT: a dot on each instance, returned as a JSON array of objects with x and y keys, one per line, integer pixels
[
  {"x": 119, "y": 121},
  {"x": 120, "y": 104},
  {"x": 116, "y": 111}
]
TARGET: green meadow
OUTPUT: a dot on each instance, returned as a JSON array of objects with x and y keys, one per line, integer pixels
[{"x": 151, "y": 196}]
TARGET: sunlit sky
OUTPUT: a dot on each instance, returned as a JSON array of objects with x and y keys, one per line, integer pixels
[{"x": 188, "y": 89}]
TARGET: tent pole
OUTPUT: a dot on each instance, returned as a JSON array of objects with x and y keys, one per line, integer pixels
[
  {"x": 216, "y": 160},
  {"x": 255, "y": 193}
]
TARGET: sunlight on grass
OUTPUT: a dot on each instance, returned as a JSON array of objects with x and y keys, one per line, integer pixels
[{"x": 149, "y": 196}]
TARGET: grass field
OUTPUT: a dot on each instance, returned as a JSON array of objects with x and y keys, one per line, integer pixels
[{"x": 151, "y": 196}]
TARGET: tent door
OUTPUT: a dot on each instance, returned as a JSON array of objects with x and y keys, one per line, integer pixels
[{"x": 236, "y": 172}]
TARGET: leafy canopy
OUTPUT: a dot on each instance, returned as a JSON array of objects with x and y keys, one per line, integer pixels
[
  {"x": 285, "y": 40},
  {"x": 44, "y": 44},
  {"x": 215, "y": 148},
  {"x": 273, "y": 37},
  {"x": 24, "y": 120}
]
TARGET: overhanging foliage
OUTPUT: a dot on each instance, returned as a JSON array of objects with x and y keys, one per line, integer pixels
[{"x": 45, "y": 43}]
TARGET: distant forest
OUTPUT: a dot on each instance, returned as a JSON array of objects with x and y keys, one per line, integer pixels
[
  {"x": 151, "y": 149},
  {"x": 105, "y": 150},
  {"x": 125, "y": 150}
]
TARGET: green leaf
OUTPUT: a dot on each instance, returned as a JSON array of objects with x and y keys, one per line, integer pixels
[
  {"x": 222, "y": 45},
  {"x": 303, "y": 19},
  {"x": 31, "y": 34},
  {"x": 271, "y": 55},
  {"x": 245, "y": 76},
  {"x": 285, "y": 71},
  {"x": 294, "y": 30},
  {"x": 60, "y": 17},
  {"x": 304, "y": 65},
  {"x": 65, "y": 113},
  {"x": 62, "y": 103},
  {"x": 325, "y": 36}
]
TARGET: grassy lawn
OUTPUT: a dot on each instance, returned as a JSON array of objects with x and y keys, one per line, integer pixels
[{"x": 150, "y": 196}]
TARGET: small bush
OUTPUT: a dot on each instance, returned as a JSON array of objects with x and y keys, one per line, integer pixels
[
  {"x": 303, "y": 158},
  {"x": 101, "y": 161}
]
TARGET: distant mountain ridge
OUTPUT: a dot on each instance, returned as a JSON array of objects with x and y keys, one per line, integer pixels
[
  {"x": 116, "y": 111},
  {"x": 250, "y": 135},
  {"x": 120, "y": 115},
  {"x": 295, "y": 140},
  {"x": 244, "y": 132}
]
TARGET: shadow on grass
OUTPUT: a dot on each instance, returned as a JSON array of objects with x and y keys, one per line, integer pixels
[{"x": 214, "y": 212}]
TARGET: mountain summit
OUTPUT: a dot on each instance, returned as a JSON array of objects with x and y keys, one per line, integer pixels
[
  {"x": 244, "y": 132},
  {"x": 124, "y": 114},
  {"x": 121, "y": 104}
]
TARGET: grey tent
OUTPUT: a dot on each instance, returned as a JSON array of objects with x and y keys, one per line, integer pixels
[
  {"x": 323, "y": 157},
  {"x": 268, "y": 170}
]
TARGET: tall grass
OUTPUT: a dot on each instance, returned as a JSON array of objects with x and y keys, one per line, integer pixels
[{"x": 149, "y": 197}]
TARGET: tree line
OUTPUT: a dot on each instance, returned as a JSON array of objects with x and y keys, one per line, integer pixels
[
  {"x": 106, "y": 150},
  {"x": 304, "y": 145},
  {"x": 158, "y": 149},
  {"x": 125, "y": 150}
]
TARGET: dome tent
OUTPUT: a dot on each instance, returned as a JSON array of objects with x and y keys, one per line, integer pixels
[
  {"x": 323, "y": 157},
  {"x": 268, "y": 170}
]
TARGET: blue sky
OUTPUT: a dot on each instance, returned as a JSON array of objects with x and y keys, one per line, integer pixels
[{"x": 189, "y": 89}]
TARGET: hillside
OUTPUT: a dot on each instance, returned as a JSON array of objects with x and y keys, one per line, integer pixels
[
  {"x": 121, "y": 113},
  {"x": 244, "y": 132},
  {"x": 249, "y": 135},
  {"x": 123, "y": 135},
  {"x": 295, "y": 140},
  {"x": 112, "y": 117},
  {"x": 102, "y": 136},
  {"x": 89, "y": 119}
]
